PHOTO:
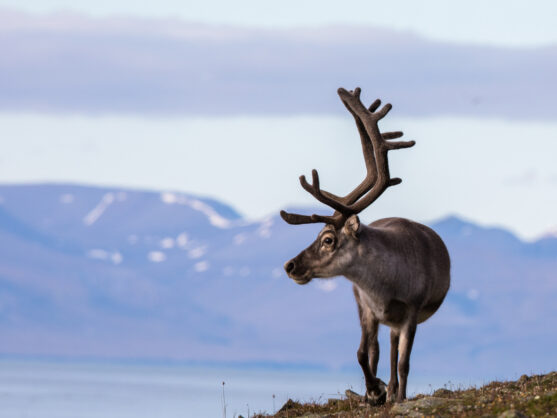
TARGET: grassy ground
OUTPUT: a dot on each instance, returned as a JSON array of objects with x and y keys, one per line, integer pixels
[{"x": 528, "y": 396}]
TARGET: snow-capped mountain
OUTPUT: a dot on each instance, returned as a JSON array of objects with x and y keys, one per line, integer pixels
[{"x": 115, "y": 273}]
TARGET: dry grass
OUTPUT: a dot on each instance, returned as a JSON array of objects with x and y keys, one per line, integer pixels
[{"x": 528, "y": 396}]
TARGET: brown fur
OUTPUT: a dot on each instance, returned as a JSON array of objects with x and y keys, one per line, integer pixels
[{"x": 401, "y": 273}]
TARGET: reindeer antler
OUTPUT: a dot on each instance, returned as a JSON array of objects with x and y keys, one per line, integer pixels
[{"x": 374, "y": 148}]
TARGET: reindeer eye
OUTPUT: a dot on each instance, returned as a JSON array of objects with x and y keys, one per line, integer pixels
[{"x": 328, "y": 240}]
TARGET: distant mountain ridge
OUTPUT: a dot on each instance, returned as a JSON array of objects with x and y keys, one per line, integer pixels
[{"x": 104, "y": 272}]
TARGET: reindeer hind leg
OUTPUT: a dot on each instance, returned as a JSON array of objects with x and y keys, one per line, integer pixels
[
  {"x": 393, "y": 382},
  {"x": 406, "y": 341}
]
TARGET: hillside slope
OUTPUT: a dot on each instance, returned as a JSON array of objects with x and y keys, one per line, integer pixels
[
  {"x": 529, "y": 396},
  {"x": 114, "y": 273}
]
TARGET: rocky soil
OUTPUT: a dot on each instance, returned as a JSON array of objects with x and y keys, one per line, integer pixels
[{"x": 529, "y": 396}]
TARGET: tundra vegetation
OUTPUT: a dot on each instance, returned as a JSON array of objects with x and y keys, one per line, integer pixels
[{"x": 529, "y": 396}]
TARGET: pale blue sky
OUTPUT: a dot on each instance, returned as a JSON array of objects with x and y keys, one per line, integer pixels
[
  {"x": 238, "y": 114},
  {"x": 496, "y": 172}
]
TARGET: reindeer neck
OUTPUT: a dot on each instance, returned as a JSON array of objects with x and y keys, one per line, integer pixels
[{"x": 371, "y": 261}]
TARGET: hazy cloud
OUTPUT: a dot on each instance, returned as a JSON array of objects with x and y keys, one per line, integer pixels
[
  {"x": 526, "y": 178},
  {"x": 530, "y": 178},
  {"x": 70, "y": 63},
  {"x": 553, "y": 179}
]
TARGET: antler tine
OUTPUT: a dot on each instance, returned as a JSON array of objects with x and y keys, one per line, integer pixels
[
  {"x": 374, "y": 106},
  {"x": 391, "y": 135},
  {"x": 383, "y": 112},
  {"x": 399, "y": 144},
  {"x": 315, "y": 190},
  {"x": 295, "y": 219}
]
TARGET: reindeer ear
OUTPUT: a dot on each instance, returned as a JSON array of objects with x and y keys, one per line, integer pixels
[{"x": 352, "y": 226}]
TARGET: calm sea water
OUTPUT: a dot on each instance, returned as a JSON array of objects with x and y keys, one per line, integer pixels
[{"x": 40, "y": 389}]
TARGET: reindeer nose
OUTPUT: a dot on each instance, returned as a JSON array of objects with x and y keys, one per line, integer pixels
[{"x": 289, "y": 266}]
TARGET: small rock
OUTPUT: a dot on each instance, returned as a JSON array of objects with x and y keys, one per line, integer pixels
[
  {"x": 290, "y": 404},
  {"x": 523, "y": 379},
  {"x": 412, "y": 408},
  {"x": 442, "y": 392},
  {"x": 512, "y": 413},
  {"x": 350, "y": 394},
  {"x": 456, "y": 408}
]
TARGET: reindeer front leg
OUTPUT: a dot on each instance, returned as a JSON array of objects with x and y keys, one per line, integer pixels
[
  {"x": 368, "y": 357},
  {"x": 374, "y": 349}
]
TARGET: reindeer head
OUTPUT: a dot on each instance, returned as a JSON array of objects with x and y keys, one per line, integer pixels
[
  {"x": 329, "y": 255},
  {"x": 336, "y": 245}
]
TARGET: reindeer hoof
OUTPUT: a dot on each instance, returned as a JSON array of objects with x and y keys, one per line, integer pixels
[
  {"x": 377, "y": 396},
  {"x": 391, "y": 393}
]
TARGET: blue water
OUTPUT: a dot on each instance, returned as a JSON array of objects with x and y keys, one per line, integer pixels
[{"x": 41, "y": 389}]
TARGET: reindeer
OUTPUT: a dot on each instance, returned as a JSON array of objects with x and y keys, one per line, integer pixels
[{"x": 400, "y": 269}]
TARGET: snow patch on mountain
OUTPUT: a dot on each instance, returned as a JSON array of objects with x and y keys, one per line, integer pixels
[
  {"x": 167, "y": 243},
  {"x": 201, "y": 266},
  {"x": 97, "y": 254},
  {"x": 550, "y": 233},
  {"x": 117, "y": 258},
  {"x": 100, "y": 254},
  {"x": 197, "y": 252},
  {"x": 214, "y": 218},
  {"x": 264, "y": 230},
  {"x": 156, "y": 256},
  {"x": 97, "y": 211},
  {"x": 169, "y": 198},
  {"x": 182, "y": 240}
]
